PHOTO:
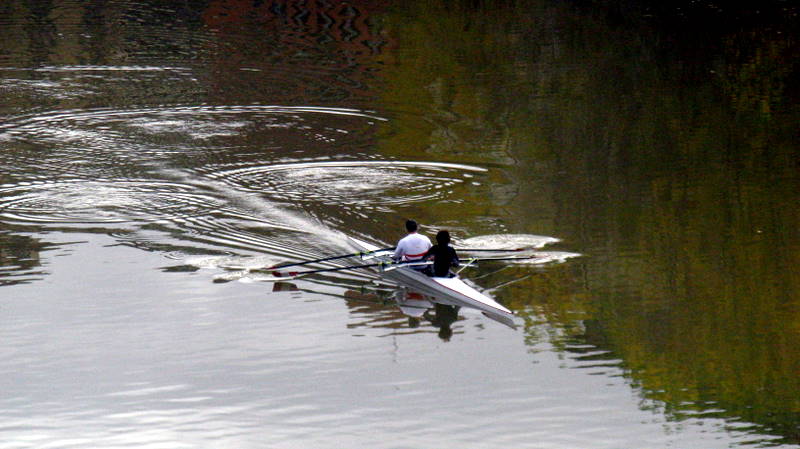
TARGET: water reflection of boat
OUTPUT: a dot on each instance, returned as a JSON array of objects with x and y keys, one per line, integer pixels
[
  {"x": 416, "y": 307},
  {"x": 446, "y": 291},
  {"x": 19, "y": 259},
  {"x": 412, "y": 304},
  {"x": 375, "y": 303}
]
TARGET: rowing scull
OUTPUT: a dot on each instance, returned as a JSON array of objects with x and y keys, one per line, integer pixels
[{"x": 452, "y": 291}]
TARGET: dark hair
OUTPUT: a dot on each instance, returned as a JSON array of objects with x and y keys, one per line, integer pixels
[
  {"x": 411, "y": 225},
  {"x": 443, "y": 237}
]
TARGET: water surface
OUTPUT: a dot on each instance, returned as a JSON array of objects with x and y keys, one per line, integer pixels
[{"x": 153, "y": 158}]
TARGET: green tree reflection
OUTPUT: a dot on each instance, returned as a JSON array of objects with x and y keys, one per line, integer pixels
[{"x": 673, "y": 169}]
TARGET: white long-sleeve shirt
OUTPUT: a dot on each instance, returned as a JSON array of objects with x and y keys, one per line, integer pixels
[{"x": 412, "y": 247}]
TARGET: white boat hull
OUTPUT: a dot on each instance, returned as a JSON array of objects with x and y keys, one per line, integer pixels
[{"x": 452, "y": 291}]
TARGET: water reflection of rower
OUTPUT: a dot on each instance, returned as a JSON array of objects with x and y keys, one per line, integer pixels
[
  {"x": 417, "y": 306},
  {"x": 442, "y": 317}
]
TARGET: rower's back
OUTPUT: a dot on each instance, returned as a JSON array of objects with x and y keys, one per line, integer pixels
[
  {"x": 413, "y": 246},
  {"x": 444, "y": 256}
]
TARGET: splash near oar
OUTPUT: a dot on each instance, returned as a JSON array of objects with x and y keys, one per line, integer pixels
[{"x": 508, "y": 241}]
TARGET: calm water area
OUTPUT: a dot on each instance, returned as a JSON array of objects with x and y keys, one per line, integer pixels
[{"x": 155, "y": 155}]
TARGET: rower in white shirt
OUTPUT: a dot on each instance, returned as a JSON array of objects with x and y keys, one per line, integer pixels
[{"x": 413, "y": 246}]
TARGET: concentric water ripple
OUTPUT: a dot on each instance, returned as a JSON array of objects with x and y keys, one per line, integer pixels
[
  {"x": 126, "y": 143},
  {"x": 167, "y": 164},
  {"x": 101, "y": 201},
  {"x": 209, "y": 174},
  {"x": 73, "y": 124},
  {"x": 371, "y": 185}
]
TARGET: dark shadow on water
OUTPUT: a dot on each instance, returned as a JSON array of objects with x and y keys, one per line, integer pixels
[{"x": 20, "y": 261}]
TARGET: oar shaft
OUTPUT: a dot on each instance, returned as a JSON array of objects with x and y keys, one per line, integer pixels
[
  {"x": 490, "y": 250},
  {"x": 481, "y": 259},
  {"x": 472, "y": 260},
  {"x": 383, "y": 265},
  {"x": 326, "y": 259},
  {"x": 366, "y": 253},
  {"x": 322, "y": 270}
]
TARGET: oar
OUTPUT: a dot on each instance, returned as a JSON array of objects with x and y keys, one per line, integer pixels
[
  {"x": 471, "y": 261},
  {"x": 481, "y": 259},
  {"x": 325, "y": 259},
  {"x": 366, "y": 253},
  {"x": 492, "y": 250},
  {"x": 383, "y": 265}
]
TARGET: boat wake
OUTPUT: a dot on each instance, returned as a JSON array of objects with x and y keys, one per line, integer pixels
[
  {"x": 229, "y": 188},
  {"x": 506, "y": 241},
  {"x": 522, "y": 245}
]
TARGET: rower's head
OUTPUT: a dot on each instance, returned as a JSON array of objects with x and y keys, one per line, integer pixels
[
  {"x": 443, "y": 238},
  {"x": 411, "y": 226}
]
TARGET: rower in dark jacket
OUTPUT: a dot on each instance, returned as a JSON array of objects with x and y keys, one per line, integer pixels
[{"x": 443, "y": 256}]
